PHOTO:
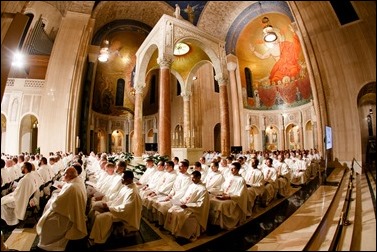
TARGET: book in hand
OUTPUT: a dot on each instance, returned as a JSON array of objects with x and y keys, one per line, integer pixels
[
  {"x": 176, "y": 202},
  {"x": 58, "y": 184}
]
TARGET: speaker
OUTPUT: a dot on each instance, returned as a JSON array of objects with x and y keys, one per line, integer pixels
[
  {"x": 236, "y": 149},
  {"x": 151, "y": 147}
]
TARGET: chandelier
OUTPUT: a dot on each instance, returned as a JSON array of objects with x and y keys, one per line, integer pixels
[
  {"x": 104, "y": 52},
  {"x": 269, "y": 34}
]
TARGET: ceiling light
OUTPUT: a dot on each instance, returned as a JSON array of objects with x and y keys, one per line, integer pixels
[
  {"x": 181, "y": 49},
  {"x": 268, "y": 31}
]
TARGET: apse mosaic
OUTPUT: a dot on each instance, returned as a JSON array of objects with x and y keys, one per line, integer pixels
[{"x": 273, "y": 74}]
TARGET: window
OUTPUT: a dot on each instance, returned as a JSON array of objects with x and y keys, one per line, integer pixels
[
  {"x": 249, "y": 83},
  {"x": 216, "y": 84},
  {"x": 179, "y": 91},
  {"x": 344, "y": 11},
  {"x": 119, "y": 93},
  {"x": 152, "y": 98}
]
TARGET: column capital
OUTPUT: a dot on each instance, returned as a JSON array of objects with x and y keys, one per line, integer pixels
[
  {"x": 165, "y": 61},
  {"x": 139, "y": 88},
  {"x": 186, "y": 95},
  {"x": 221, "y": 80},
  {"x": 231, "y": 66}
]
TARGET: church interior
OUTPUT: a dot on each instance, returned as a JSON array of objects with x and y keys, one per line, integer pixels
[{"x": 184, "y": 78}]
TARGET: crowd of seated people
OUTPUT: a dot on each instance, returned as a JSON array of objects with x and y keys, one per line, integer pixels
[{"x": 88, "y": 196}]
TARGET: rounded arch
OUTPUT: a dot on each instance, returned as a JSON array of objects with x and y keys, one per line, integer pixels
[
  {"x": 117, "y": 141},
  {"x": 100, "y": 140},
  {"x": 366, "y": 103},
  {"x": 4, "y": 120},
  {"x": 28, "y": 133}
]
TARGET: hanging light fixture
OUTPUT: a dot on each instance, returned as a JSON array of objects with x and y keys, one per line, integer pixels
[
  {"x": 269, "y": 34},
  {"x": 104, "y": 53}
]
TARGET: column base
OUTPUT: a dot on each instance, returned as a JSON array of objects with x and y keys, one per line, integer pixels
[{"x": 191, "y": 154}]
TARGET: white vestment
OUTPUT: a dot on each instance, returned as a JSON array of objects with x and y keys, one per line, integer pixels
[
  {"x": 65, "y": 218},
  {"x": 126, "y": 208},
  {"x": 271, "y": 185},
  {"x": 213, "y": 182},
  {"x": 284, "y": 178},
  {"x": 160, "y": 208},
  {"x": 229, "y": 213},
  {"x": 255, "y": 181},
  {"x": 14, "y": 204},
  {"x": 163, "y": 187},
  {"x": 144, "y": 179},
  {"x": 191, "y": 221}
]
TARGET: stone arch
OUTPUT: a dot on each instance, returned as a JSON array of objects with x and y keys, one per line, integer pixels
[{"x": 366, "y": 103}]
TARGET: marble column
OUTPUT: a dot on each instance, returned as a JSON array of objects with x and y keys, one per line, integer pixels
[
  {"x": 164, "y": 122},
  {"x": 282, "y": 133},
  {"x": 314, "y": 129},
  {"x": 186, "y": 120},
  {"x": 137, "y": 143},
  {"x": 263, "y": 131},
  {"x": 224, "y": 117},
  {"x": 64, "y": 76},
  {"x": 231, "y": 66}
]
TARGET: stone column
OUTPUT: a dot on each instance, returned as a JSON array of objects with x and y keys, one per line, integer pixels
[
  {"x": 282, "y": 133},
  {"x": 137, "y": 143},
  {"x": 263, "y": 131},
  {"x": 314, "y": 129},
  {"x": 64, "y": 76},
  {"x": 224, "y": 117},
  {"x": 231, "y": 66},
  {"x": 164, "y": 122},
  {"x": 186, "y": 120}
]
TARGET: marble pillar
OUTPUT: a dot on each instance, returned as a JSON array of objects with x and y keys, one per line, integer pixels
[
  {"x": 137, "y": 143},
  {"x": 282, "y": 133},
  {"x": 224, "y": 117},
  {"x": 231, "y": 66},
  {"x": 164, "y": 122},
  {"x": 186, "y": 120}
]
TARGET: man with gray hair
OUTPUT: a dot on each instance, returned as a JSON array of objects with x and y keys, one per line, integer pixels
[{"x": 65, "y": 218}]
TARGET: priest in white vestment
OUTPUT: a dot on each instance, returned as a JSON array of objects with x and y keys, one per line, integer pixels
[
  {"x": 14, "y": 204},
  {"x": 255, "y": 183},
  {"x": 65, "y": 218},
  {"x": 153, "y": 182},
  {"x": 214, "y": 179},
  {"x": 270, "y": 182},
  {"x": 300, "y": 171},
  {"x": 188, "y": 217},
  {"x": 181, "y": 183},
  {"x": 162, "y": 189},
  {"x": 125, "y": 208},
  {"x": 229, "y": 209},
  {"x": 283, "y": 176},
  {"x": 151, "y": 168}
]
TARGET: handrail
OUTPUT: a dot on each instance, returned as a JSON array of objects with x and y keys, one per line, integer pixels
[{"x": 343, "y": 219}]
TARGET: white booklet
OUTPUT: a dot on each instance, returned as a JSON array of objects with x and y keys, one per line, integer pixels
[
  {"x": 58, "y": 183},
  {"x": 176, "y": 202}
]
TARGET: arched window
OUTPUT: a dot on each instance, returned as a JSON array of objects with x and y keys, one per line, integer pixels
[
  {"x": 249, "y": 83},
  {"x": 179, "y": 91},
  {"x": 216, "y": 84},
  {"x": 119, "y": 93},
  {"x": 152, "y": 98}
]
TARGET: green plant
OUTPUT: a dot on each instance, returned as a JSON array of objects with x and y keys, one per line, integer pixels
[
  {"x": 157, "y": 158},
  {"x": 126, "y": 156}
]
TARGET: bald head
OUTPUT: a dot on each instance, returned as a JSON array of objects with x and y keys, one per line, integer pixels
[{"x": 70, "y": 174}]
